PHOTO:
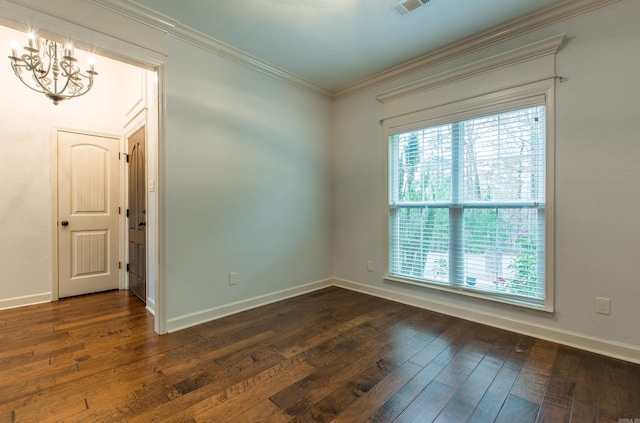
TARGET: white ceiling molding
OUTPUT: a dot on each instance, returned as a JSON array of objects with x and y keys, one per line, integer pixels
[
  {"x": 496, "y": 35},
  {"x": 219, "y": 48},
  {"x": 138, "y": 13},
  {"x": 182, "y": 32},
  {"x": 522, "y": 54}
]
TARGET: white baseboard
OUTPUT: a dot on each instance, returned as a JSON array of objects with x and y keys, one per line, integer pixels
[
  {"x": 25, "y": 300},
  {"x": 151, "y": 306},
  {"x": 613, "y": 349},
  {"x": 193, "y": 319}
]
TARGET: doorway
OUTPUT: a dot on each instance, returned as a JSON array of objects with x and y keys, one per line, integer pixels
[
  {"x": 30, "y": 123},
  {"x": 106, "y": 178}
]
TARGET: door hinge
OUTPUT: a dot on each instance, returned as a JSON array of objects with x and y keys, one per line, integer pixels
[
  {"x": 119, "y": 265},
  {"x": 127, "y": 267},
  {"x": 126, "y": 157},
  {"x": 127, "y": 212},
  {"x": 119, "y": 211}
]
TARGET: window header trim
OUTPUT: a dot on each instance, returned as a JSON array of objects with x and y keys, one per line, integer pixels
[
  {"x": 546, "y": 47},
  {"x": 533, "y": 94}
]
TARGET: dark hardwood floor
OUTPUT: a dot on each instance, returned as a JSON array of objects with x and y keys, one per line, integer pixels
[{"x": 331, "y": 355}]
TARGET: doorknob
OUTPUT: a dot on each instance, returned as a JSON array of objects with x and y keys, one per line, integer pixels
[
  {"x": 141, "y": 224},
  {"x": 64, "y": 223}
]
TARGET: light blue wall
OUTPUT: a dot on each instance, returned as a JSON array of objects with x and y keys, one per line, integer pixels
[{"x": 247, "y": 173}]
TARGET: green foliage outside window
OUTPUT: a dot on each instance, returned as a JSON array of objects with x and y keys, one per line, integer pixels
[{"x": 524, "y": 265}]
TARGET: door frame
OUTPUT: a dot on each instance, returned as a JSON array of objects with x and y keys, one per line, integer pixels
[
  {"x": 55, "y": 289},
  {"x": 150, "y": 56}
]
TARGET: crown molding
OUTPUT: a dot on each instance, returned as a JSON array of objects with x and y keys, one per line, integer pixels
[
  {"x": 219, "y": 48},
  {"x": 184, "y": 33},
  {"x": 522, "y": 54},
  {"x": 473, "y": 43},
  {"x": 138, "y": 13},
  {"x": 479, "y": 41}
]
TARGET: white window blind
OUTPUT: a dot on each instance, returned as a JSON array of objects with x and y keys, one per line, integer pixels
[{"x": 467, "y": 204}]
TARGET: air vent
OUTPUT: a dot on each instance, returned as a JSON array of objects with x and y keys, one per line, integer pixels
[{"x": 402, "y": 7}]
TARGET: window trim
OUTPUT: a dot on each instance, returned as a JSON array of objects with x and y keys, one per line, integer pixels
[{"x": 495, "y": 102}]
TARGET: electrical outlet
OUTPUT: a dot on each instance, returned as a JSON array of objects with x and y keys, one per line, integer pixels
[
  {"x": 369, "y": 266},
  {"x": 603, "y": 305},
  {"x": 232, "y": 278}
]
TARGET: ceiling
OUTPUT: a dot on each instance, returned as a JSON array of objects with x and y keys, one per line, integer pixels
[{"x": 335, "y": 43}]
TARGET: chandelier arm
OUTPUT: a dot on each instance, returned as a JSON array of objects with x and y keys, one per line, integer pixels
[
  {"x": 34, "y": 64},
  {"x": 65, "y": 74},
  {"x": 18, "y": 74},
  {"x": 41, "y": 84},
  {"x": 31, "y": 62}
]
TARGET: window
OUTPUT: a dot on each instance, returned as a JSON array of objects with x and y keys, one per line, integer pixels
[{"x": 467, "y": 204}]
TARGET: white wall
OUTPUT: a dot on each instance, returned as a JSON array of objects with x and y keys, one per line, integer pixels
[
  {"x": 26, "y": 119},
  {"x": 597, "y": 173},
  {"x": 247, "y": 174}
]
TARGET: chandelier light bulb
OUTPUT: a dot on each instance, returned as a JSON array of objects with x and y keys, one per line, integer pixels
[
  {"x": 32, "y": 40},
  {"x": 14, "y": 48}
]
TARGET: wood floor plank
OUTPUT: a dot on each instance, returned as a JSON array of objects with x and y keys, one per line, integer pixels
[
  {"x": 53, "y": 414},
  {"x": 327, "y": 402},
  {"x": 248, "y": 398},
  {"x": 228, "y": 404},
  {"x": 516, "y": 409},
  {"x": 532, "y": 381},
  {"x": 520, "y": 352},
  {"x": 556, "y": 404},
  {"x": 264, "y": 411},
  {"x": 494, "y": 397},
  {"x": 426, "y": 406},
  {"x": 391, "y": 354},
  {"x": 329, "y": 355},
  {"x": 227, "y": 383},
  {"x": 471, "y": 391},
  {"x": 442, "y": 343},
  {"x": 361, "y": 409},
  {"x": 462, "y": 365},
  {"x": 406, "y": 394},
  {"x": 616, "y": 390}
]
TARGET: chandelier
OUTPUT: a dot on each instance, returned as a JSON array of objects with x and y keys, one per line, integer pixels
[{"x": 51, "y": 69}]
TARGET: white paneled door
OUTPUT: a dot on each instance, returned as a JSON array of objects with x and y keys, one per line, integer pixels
[{"x": 87, "y": 213}]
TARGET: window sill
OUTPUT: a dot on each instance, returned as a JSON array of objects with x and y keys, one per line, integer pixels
[{"x": 474, "y": 294}]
